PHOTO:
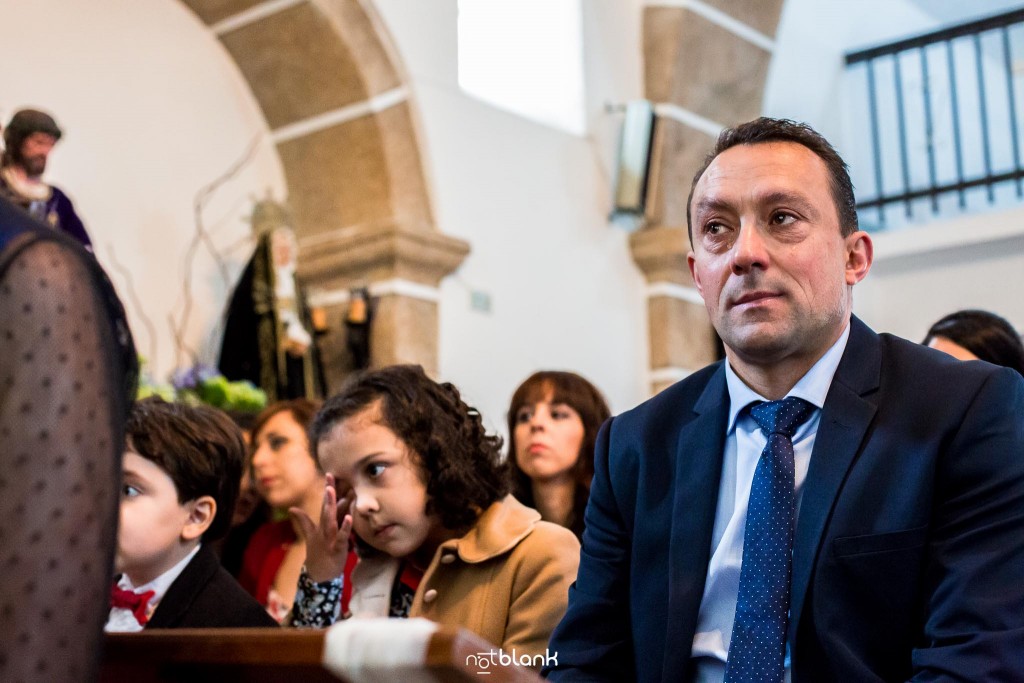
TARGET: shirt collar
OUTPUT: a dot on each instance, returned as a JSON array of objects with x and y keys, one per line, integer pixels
[
  {"x": 813, "y": 386},
  {"x": 160, "y": 584}
]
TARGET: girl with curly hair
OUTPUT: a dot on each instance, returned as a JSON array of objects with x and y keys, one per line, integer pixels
[{"x": 412, "y": 471}]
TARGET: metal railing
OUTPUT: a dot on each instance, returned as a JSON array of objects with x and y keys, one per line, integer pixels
[{"x": 944, "y": 119}]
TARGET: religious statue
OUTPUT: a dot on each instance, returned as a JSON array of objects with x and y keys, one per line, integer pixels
[{"x": 269, "y": 332}]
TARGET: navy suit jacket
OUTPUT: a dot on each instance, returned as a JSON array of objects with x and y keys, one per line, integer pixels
[
  {"x": 205, "y": 596},
  {"x": 908, "y": 561}
]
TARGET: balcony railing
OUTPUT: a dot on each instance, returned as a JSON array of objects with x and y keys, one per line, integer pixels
[{"x": 943, "y": 114}]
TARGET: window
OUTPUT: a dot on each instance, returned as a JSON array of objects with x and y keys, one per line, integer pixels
[{"x": 526, "y": 57}]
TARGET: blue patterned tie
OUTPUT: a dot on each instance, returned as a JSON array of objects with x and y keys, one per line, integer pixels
[{"x": 757, "y": 651}]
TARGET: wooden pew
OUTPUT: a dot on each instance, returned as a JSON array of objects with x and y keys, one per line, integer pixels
[{"x": 283, "y": 656}]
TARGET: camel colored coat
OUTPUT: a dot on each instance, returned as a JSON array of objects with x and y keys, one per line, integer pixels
[{"x": 507, "y": 579}]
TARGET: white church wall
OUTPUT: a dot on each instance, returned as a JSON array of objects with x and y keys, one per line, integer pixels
[
  {"x": 533, "y": 201},
  {"x": 153, "y": 109},
  {"x": 923, "y": 273}
]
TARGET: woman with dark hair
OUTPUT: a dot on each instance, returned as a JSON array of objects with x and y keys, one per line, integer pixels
[
  {"x": 552, "y": 425},
  {"x": 286, "y": 475},
  {"x": 412, "y": 471},
  {"x": 978, "y": 335}
]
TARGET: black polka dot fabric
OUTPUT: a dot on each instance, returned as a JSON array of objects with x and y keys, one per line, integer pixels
[
  {"x": 63, "y": 397},
  {"x": 757, "y": 650}
]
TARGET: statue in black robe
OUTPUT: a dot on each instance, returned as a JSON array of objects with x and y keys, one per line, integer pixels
[{"x": 268, "y": 332}]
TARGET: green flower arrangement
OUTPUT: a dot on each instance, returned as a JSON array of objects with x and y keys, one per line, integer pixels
[{"x": 203, "y": 384}]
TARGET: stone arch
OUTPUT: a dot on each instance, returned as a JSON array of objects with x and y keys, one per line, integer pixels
[{"x": 332, "y": 90}]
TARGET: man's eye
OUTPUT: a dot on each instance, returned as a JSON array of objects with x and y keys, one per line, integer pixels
[
  {"x": 782, "y": 218},
  {"x": 713, "y": 229}
]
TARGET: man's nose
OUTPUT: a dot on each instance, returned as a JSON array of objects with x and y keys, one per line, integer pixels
[{"x": 749, "y": 251}]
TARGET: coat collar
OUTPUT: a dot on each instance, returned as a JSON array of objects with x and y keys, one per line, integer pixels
[
  {"x": 500, "y": 528},
  {"x": 698, "y": 464}
]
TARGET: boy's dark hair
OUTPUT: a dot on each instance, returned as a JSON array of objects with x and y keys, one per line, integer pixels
[
  {"x": 986, "y": 335},
  {"x": 199, "y": 448},
  {"x": 583, "y": 397},
  {"x": 764, "y": 130},
  {"x": 463, "y": 467}
]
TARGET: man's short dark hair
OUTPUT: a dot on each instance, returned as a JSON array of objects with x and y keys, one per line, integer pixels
[
  {"x": 199, "y": 448},
  {"x": 764, "y": 130},
  {"x": 23, "y": 124}
]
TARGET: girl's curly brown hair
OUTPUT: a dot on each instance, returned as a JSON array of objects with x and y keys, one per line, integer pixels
[{"x": 462, "y": 465}]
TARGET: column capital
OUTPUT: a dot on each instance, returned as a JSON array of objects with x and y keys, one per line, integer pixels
[
  {"x": 660, "y": 254},
  {"x": 361, "y": 255}
]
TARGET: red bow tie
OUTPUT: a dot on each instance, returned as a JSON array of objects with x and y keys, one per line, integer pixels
[{"x": 138, "y": 603}]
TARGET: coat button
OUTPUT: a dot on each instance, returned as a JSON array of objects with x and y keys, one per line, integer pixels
[
  {"x": 430, "y": 596},
  {"x": 448, "y": 558}
]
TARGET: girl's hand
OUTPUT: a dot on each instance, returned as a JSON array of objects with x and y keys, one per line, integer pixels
[{"x": 327, "y": 543}]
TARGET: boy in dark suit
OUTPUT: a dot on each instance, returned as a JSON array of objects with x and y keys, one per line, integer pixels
[{"x": 182, "y": 466}]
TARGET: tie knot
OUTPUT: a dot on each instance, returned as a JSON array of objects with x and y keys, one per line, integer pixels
[{"x": 781, "y": 417}]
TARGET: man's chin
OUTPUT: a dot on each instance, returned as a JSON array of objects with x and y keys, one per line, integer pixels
[
  {"x": 758, "y": 343},
  {"x": 34, "y": 169}
]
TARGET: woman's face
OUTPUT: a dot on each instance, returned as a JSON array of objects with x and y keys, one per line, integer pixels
[
  {"x": 283, "y": 469},
  {"x": 952, "y": 348},
  {"x": 548, "y": 437}
]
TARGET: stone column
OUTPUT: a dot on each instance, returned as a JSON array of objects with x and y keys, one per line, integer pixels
[
  {"x": 402, "y": 269},
  {"x": 705, "y": 64}
]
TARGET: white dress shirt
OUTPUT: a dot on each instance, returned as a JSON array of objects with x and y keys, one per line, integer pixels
[
  {"x": 121, "y": 620},
  {"x": 744, "y": 442}
]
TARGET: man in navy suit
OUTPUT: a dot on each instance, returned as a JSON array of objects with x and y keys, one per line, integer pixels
[{"x": 905, "y": 554}]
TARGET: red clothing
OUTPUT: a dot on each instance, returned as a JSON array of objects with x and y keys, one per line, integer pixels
[{"x": 263, "y": 557}]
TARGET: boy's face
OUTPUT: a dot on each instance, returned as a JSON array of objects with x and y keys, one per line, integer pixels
[
  {"x": 389, "y": 510},
  {"x": 152, "y": 536}
]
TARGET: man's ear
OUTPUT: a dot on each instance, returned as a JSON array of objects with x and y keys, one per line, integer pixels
[
  {"x": 692, "y": 262},
  {"x": 201, "y": 514},
  {"x": 860, "y": 254}
]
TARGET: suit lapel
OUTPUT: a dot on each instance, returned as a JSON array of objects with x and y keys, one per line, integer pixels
[
  {"x": 845, "y": 419},
  {"x": 698, "y": 472},
  {"x": 183, "y": 591}
]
